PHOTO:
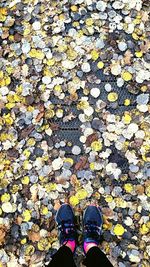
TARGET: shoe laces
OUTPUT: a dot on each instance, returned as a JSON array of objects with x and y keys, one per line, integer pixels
[
  {"x": 67, "y": 229},
  {"x": 92, "y": 229}
]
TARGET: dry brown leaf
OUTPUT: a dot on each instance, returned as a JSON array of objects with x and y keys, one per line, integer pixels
[
  {"x": 74, "y": 96},
  {"x": 145, "y": 46},
  {"x": 127, "y": 57},
  {"x": 41, "y": 114},
  {"x": 145, "y": 16},
  {"x": 108, "y": 212},
  {"x": 34, "y": 195},
  {"x": 91, "y": 138},
  {"x": 33, "y": 236},
  {"x": 54, "y": 126},
  {"x": 19, "y": 220},
  {"x": 3, "y": 231},
  {"x": 74, "y": 181},
  {"x": 81, "y": 164},
  {"x": 25, "y": 132},
  {"x": 139, "y": 189}
]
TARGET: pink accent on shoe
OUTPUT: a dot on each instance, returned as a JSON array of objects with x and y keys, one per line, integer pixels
[
  {"x": 87, "y": 246},
  {"x": 70, "y": 244}
]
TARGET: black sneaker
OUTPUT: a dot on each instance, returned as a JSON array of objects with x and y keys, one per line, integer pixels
[
  {"x": 65, "y": 220},
  {"x": 92, "y": 225}
]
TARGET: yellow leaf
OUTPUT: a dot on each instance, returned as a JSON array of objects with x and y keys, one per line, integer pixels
[
  {"x": 37, "y": 54},
  {"x": 26, "y": 215},
  {"x": 112, "y": 97},
  {"x": 126, "y": 76},
  {"x": 73, "y": 200},
  {"x": 5, "y": 197},
  {"x": 119, "y": 229},
  {"x": 127, "y": 102},
  {"x": 128, "y": 187},
  {"x": 89, "y": 22},
  {"x": 95, "y": 54},
  {"x": 74, "y": 8},
  {"x": 81, "y": 194},
  {"x": 100, "y": 64},
  {"x": 139, "y": 54},
  {"x": 96, "y": 146},
  {"x": 127, "y": 118}
]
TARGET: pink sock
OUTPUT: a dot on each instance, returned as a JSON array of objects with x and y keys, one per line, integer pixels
[
  {"x": 70, "y": 244},
  {"x": 89, "y": 245}
]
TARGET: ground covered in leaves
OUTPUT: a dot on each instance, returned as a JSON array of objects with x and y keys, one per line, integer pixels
[{"x": 74, "y": 125}]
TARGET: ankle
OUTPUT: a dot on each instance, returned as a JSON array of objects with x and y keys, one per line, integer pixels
[
  {"x": 88, "y": 246},
  {"x": 70, "y": 244}
]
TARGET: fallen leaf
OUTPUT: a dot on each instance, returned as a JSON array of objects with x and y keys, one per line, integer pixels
[
  {"x": 127, "y": 57},
  {"x": 108, "y": 212},
  {"x": 25, "y": 132},
  {"x": 33, "y": 236},
  {"x": 144, "y": 16},
  {"x": 39, "y": 116},
  {"x": 19, "y": 220},
  {"x": 74, "y": 97},
  {"x": 91, "y": 138},
  {"x": 81, "y": 163},
  {"x": 145, "y": 46},
  {"x": 139, "y": 189},
  {"x": 13, "y": 153},
  {"x": 3, "y": 231},
  {"x": 54, "y": 126},
  {"x": 69, "y": 117}
]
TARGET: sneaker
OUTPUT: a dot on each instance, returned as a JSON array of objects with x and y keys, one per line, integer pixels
[
  {"x": 92, "y": 225},
  {"x": 65, "y": 220}
]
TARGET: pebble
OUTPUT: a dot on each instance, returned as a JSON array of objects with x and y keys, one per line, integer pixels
[
  {"x": 68, "y": 64},
  {"x": 142, "y": 108},
  {"x": 133, "y": 128},
  {"x": 38, "y": 152}
]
